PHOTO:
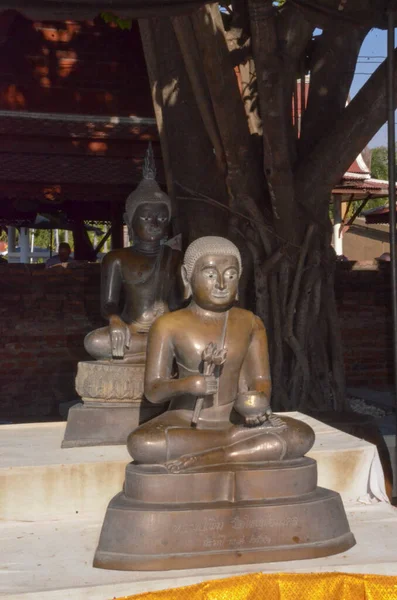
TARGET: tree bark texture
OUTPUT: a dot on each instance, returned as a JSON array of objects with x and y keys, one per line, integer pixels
[
  {"x": 191, "y": 159},
  {"x": 272, "y": 199}
]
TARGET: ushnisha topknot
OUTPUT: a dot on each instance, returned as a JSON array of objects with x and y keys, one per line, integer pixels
[
  {"x": 148, "y": 190},
  {"x": 209, "y": 244}
]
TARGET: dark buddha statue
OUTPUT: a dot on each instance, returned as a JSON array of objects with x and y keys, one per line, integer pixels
[{"x": 138, "y": 283}]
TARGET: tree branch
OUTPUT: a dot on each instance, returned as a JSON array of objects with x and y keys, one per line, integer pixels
[
  {"x": 270, "y": 69},
  {"x": 244, "y": 178},
  {"x": 296, "y": 284},
  {"x": 148, "y": 43},
  {"x": 256, "y": 219},
  {"x": 331, "y": 75},
  {"x": 275, "y": 86},
  {"x": 191, "y": 156},
  {"x": 189, "y": 50},
  {"x": 250, "y": 96},
  {"x": 336, "y": 151},
  {"x": 295, "y": 37}
]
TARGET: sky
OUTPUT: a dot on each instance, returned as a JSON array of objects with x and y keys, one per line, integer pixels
[{"x": 373, "y": 52}]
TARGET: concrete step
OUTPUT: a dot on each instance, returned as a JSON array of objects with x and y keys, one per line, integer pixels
[
  {"x": 41, "y": 481},
  {"x": 53, "y": 560}
]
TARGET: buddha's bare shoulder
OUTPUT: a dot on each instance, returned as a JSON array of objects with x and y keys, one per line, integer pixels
[
  {"x": 241, "y": 313},
  {"x": 118, "y": 255},
  {"x": 184, "y": 316},
  {"x": 170, "y": 324},
  {"x": 176, "y": 318},
  {"x": 246, "y": 318}
]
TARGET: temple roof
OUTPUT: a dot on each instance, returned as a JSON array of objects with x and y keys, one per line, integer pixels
[
  {"x": 378, "y": 215},
  {"x": 357, "y": 182}
]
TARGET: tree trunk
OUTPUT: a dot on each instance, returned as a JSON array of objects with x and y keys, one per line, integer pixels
[
  {"x": 192, "y": 163},
  {"x": 224, "y": 186}
]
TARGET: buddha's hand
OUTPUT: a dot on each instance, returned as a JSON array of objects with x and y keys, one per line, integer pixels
[
  {"x": 120, "y": 336},
  {"x": 259, "y": 419},
  {"x": 201, "y": 385}
]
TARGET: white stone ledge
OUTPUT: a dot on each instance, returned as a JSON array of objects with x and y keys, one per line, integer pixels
[{"x": 41, "y": 481}]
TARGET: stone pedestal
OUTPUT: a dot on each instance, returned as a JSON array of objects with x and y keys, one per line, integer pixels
[
  {"x": 112, "y": 393},
  {"x": 231, "y": 516}
]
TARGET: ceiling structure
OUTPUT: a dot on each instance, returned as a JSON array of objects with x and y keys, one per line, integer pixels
[
  {"x": 61, "y": 10},
  {"x": 76, "y": 117},
  {"x": 76, "y": 112}
]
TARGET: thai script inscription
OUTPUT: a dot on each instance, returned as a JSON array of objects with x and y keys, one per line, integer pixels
[
  {"x": 215, "y": 542},
  {"x": 255, "y": 540},
  {"x": 247, "y": 523},
  {"x": 241, "y": 526},
  {"x": 210, "y": 524},
  {"x": 238, "y": 542}
]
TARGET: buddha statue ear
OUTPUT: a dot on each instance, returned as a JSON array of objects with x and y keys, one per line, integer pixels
[{"x": 186, "y": 283}]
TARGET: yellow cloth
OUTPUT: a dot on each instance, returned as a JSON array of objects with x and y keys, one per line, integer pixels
[{"x": 284, "y": 586}]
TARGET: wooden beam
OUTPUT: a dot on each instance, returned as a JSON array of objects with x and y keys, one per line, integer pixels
[
  {"x": 103, "y": 241},
  {"x": 78, "y": 126},
  {"x": 66, "y": 194},
  {"x": 346, "y": 227},
  {"x": 84, "y": 148},
  {"x": 76, "y": 9}
]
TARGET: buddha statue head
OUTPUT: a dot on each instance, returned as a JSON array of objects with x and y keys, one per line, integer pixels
[
  {"x": 211, "y": 271},
  {"x": 148, "y": 208}
]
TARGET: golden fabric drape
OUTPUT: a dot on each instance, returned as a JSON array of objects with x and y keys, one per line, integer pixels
[{"x": 284, "y": 586}]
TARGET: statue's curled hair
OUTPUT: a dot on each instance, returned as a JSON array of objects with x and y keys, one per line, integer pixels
[{"x": 209, "y": 245}]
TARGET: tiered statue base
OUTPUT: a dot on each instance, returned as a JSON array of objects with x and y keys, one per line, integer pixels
[
  {"x": 222, "y": 517},
  {"x": 114, "y": 405}
]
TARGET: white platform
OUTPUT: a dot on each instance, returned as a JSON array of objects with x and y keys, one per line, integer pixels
[
  {"x": 53, "y": 501},
  {"x": 39, "y": 480}
]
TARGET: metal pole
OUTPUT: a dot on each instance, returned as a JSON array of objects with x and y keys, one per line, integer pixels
[
  {"x": 338, "y": 239},
  {"x": 11, "y": 238},
  {"x": 392, "y": 188},
  {"x": 11, "y": 255},
  {"x": 24, "y": 245},
  {"x": 32, "y": 246}
]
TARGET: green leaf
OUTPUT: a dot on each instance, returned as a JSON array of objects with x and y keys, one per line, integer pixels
[{"x": 109, "y": 17}]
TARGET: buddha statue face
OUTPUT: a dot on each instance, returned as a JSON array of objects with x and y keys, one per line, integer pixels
[
  {"x": 148, "y": 209},
  {"x": 149, "y": 222},
  {"x": 214, "y": 281}
]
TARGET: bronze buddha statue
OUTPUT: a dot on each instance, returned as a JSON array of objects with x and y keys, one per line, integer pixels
[
  {"x": 222, "y": 435},
  {"x": 217, "y": 479},
  {"x": 140, "y": 282}
]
